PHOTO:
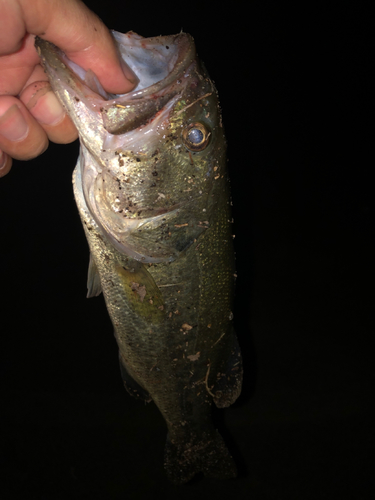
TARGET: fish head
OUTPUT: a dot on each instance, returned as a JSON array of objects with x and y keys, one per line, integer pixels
[{"x": 149, "y": 158}]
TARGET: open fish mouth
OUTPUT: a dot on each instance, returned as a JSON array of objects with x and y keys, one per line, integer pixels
[{"x": 158, "y": 62}]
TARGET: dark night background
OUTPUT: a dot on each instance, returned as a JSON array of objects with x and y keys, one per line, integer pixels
[{"x": 294, "y": 85}]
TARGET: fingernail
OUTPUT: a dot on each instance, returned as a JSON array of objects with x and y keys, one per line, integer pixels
[
  {"x": 46, "y": 108},
  {"x": 3, "y": 160},
  {"x": 129, "y": 74},
  {"x": 13, "y": 125}
]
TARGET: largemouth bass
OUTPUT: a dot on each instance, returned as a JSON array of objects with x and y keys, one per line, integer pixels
[{"x": 152, "y": 191}]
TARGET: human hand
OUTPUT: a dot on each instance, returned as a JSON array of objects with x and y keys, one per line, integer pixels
[{"x": 30, "y": 113}]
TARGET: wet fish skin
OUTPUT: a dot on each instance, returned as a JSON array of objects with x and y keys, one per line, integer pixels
[{"x": 156, "y": 212}]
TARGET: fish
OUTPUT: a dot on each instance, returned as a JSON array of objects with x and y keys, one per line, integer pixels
[{"x": 152, "y": 190}]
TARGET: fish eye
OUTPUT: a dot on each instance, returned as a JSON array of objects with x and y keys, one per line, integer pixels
[{"x": 196, "y": 136}]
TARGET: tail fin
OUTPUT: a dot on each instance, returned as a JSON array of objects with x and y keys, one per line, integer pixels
[{"x": 208, "y": 455}]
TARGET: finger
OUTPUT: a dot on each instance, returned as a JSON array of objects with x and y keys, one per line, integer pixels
[
  {"x": 42, "y": 103},
  {"x": 12, "y": 27},
  {"x": 21, "y": 136},
  {"x": 82, "y": 36},
  {"x": 47, "y": 110},
  {"x": 5, "y": 163},
  {"x": 15, "y": 69}
]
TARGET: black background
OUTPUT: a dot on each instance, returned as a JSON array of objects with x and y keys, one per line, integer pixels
[{"x": 295, "y": 85}]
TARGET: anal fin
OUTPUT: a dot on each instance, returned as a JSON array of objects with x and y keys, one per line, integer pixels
[
  {"x": 132, "y": 387},
  {"x": 228, "y": 383}
]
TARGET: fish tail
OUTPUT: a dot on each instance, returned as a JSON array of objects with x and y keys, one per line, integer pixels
[{"x": 208, "y": 455}]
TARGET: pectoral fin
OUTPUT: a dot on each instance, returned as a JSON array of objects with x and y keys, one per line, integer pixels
[
  {"x": 94, "y": 287},
  {"x": 142, "y": 292}
]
